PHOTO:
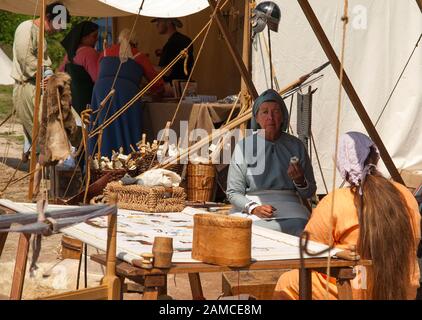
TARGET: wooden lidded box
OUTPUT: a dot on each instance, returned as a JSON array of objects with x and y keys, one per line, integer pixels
[
  {"x": 147, "y": 199},
  {"x": 222, "y": 240}
]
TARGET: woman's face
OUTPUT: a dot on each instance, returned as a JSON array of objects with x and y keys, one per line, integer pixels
[
  {"x": 90, "y": 40},
  {"x": 270, "y": 117}
]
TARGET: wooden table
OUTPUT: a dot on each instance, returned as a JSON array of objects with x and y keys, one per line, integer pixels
[{"x": 155, "y": 280}]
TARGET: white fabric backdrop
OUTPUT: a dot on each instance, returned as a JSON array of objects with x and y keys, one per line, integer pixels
[
  {"x": 5, "y": 67},
  {"x": 161, "y": 8},
  {"x": 375, "y": 57},
  {"x": 113, "y": 8}
]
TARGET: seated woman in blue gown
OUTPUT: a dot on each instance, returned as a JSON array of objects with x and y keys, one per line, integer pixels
[
  {"x": 262, "y": 181},
  {"x": 126, "y": 130}
]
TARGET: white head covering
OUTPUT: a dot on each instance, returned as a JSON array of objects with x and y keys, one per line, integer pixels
[
  {"x": 125, "y": 38},
  {"x": 354, "y": 149}
]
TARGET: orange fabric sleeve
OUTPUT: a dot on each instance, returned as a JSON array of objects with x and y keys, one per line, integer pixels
[{"x": 150, "y": 72}]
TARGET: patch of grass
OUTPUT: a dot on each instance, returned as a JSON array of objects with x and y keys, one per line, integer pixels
[
  {"x": 12, "y": 136},
  {"x": 6, "y": 100},
  {"x": 7, "y": 49}
]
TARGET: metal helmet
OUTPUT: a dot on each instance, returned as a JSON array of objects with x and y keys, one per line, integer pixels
[{"x": 265, "y": 13}]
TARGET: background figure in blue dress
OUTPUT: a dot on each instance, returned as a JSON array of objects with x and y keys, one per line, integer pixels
[{"x": 126, "y": 130}]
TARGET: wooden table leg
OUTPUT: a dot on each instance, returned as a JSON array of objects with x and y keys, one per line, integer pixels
[
  {"x": 153, "y": 286},
  {"x": 122, "y": 286},
  {"x": 305, "y": 284},
  {"x": 20, "y": 267},
  {"x": 150, "y": 294},
  {"x": 195, "y": 286},
  {"x": 344, "y": 286},
  {"x": 162, "y": 290}
]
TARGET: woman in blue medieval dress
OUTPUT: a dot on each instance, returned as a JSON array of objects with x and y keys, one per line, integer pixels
[{"x": 126, "y": 130}]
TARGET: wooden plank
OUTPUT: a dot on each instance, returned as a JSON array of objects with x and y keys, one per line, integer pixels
[
  {"x": 155, "y": 281},
  {"x": 127, "y": 269},
  {"x": 350, "y": 90},
  {"x": 97, "y": 293},
  {"x": 20, "y": 267},
  {"x": 233, "y": 50},
  {"x": 195, "y": 286}
]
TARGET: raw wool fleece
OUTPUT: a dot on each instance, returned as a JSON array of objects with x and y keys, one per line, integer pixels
[{"x": 55, "y": 132}]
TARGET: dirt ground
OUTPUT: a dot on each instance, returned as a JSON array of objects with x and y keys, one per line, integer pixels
[{"x": 53, "y": 274}]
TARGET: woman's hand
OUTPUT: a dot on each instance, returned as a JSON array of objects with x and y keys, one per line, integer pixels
[
  {"x": 264, "y": 211},
  {"x": 295, "y": 172}
]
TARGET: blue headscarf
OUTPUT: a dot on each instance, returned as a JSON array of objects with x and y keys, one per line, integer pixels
[{"x": 270, "y": 95}]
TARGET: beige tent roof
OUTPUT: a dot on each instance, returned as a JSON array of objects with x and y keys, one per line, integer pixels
[
  {"x": 86, "y": 8},
  {"x": 113, "y": 8}
]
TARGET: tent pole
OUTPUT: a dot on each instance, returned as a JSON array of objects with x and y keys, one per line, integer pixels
[
  {"x": 246, "y": 57},
  {"x": 233, "y": 50},
  {"x": 37, "y": 99},
  {"x": 246, "y": 52},
  {"x": 348, "y": 87}
]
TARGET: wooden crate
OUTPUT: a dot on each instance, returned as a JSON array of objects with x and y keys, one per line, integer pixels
[
  {"x": 65, "y": 182},
  {"x": 71, "y": 248},
  {"x": 260, "y": 284}
]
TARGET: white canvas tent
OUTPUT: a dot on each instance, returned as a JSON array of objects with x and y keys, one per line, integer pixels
[
  {"x": 6, "y": 68},
  {"x": 382, "y": 33},
  {"x": 113, "y": 8},
  {"x": 380, "y": 38}
]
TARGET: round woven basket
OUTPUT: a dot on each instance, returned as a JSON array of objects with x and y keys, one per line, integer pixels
[
  {"x": 222, "y": 240},
  {"x": 201, "y": 179}
]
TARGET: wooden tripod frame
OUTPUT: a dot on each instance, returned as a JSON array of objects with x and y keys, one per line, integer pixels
[{"x": 110, "y": 288}]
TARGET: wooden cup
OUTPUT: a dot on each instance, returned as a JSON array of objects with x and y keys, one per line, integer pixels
[{"x": 163, "y": 252}]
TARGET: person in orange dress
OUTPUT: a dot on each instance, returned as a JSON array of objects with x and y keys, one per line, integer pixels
[{"x": 380, "y": 217}]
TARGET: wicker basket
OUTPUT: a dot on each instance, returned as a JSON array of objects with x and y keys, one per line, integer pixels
[
  {"x": 115, "y": 174},
  {"x": 146, "y": 199},
  {"x": 144, "y": 164},
  {"x": 201, "y": 179}
]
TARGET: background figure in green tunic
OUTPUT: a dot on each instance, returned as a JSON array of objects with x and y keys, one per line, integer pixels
[{"x": 25, "y": 58}]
